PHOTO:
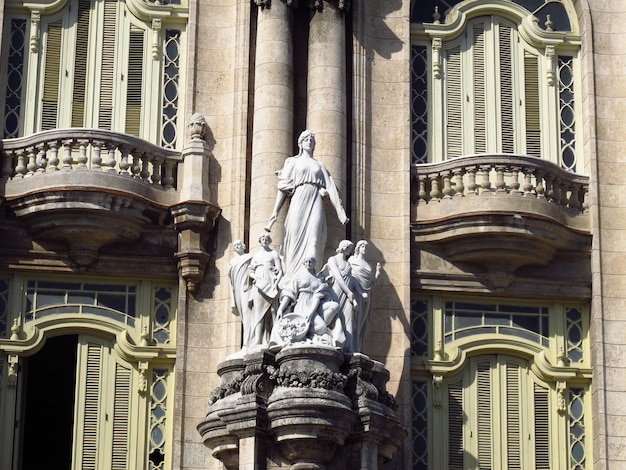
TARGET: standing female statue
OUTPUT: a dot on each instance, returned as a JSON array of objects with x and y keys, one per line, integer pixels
[
  {"x": 265, "y": 272},
  {"x": 348, "y": 292},
  {"x": 306, "y": 182},
  {"x": 366, "y": 277}
]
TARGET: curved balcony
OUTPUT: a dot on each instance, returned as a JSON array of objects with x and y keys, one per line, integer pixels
[
  {"x": 90, "y": 188},
  {"x": 499, "y": 211}
]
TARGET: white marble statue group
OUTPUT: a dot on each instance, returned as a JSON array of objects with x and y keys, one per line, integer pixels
[{"x": 282, "y": 298}]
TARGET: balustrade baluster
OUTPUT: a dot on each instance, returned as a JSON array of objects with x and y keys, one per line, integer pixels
[
  {"x": 124, "y": 165},
  {"x": 145, "y": 167},
  {"x": 422, "y": 189},
  {"x": 458, "y": 185},
  {"x": 53, "y": 161},
  {"x": 96, "y": 159},
  {"x": 435, "y": 194},
  {"x": 528, "y": 185},
  {"x": 42, "y": 162},
  {"x": 564, "y": 198},
  {"x": 20, "y": 167},
  {"x": 82, "y": 154},
  {"x": 67, "y": 155},
  {"x": 485, "y": 184},
  {"x": 500, "y": 183},
  {"x": 514, "y": 185},
  {"x": 32, "y": 161},
  {"x": 574, "y": 201},
  {"x": 585, "y": 191},
  {"x": 156, "y": 170},
  {"x": 136, "y": 168},
  {"x": 471, "y": 181},
  {"x": 563, "y": 193},
  {"x": 447, "y": 187},
  {"x": 539, "y": 188},
  {"x": 168, "y": 174},
  {"x": 549, "y": 192},
  {"x": 110, "y": 163}
]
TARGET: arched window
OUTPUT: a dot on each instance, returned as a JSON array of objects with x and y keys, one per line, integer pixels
[
  {"x": 104, "y": 64},
  {"x": 101, "y": 354},
  {"x": 500, "y": 385},
  {"x": 494, "y": 77}
]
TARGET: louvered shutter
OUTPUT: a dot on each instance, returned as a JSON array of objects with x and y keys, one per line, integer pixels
[
  {"x": 542, "y": 428},
  {"x": 532, "y": 109},
  {"x": 484, "y": 411},
  {"x": 80, "y": 63},
  {"x": 51, "y": 81},
  {"x": 454, "y": 103},
  {"x": 507, "y": 98},
  {"x": 513, "y": 417},
  {"x": 89, "y": 409},
  {"x": 135, "y": 81},
  {"x": 107, "y": 65},
  {"x": 479, "y": 111},
  {"x": 455, "y": 426},
  {"x": 121, "y": 422}
]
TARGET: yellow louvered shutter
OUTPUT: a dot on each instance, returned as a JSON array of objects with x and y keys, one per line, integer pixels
[
  {"x": 455, "y": 426},
  {"x": 485, "y": 413},
  {"x": 121, "y": 412},
  {"x": 134, "y": 93},
  {"x": 513, "y": 416},
  {"x": 80, "y": 63},
  {"x": 507, "y": 98},
  {"x": 52, "y": 75},
  {"x": 532, "y": 111},
  {"x": 89, "y": 411},
  {"x": 454, "y": 100},
  {"x": 479, "y": 110},
  {"x": 107, "y": 65},
  {"x": 542, "y": 428},
  {"x": 102, "y": 408}
]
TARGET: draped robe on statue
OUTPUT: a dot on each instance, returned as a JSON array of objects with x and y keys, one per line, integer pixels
[{"x": 303, "y": 178}]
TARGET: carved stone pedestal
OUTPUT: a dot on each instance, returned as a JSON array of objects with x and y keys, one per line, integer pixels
[{"x": 305, "y": 408}]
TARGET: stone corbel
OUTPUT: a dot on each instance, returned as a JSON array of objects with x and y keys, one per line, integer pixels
[
  {"x": 193, "y": 221},
  {"x": 35, "y": 19}
]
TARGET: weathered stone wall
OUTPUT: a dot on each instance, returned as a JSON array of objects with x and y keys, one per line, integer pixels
[{"x": 605, "y": 137}]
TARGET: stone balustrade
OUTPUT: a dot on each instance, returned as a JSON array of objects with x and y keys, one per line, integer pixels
[
  {"x": 79, "y": 149},
  {"x": 498, "y": 175}
]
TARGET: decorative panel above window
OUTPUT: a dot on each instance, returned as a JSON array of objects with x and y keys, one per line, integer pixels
[
  {"x": 106, "y": 64},
  {"x": 497, "y": 80}
]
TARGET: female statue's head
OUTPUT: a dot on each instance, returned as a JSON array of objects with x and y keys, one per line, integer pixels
[
  {"x": 306, "y": 141},
  {"x": 361, "y": 247},
  {"x": 345, "y": 247}
]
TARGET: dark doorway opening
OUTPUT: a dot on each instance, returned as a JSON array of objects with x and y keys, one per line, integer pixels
[{"x": 48, "y": 413}]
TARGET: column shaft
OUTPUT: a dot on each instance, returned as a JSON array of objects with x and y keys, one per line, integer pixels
[{"x": 273, "y": 113}]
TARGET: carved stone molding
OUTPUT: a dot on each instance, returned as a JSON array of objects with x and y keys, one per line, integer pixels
[
  {"x": 193, "y": 222},
  {"x": 316, "y": 407}
]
